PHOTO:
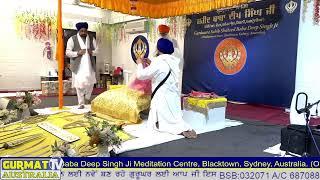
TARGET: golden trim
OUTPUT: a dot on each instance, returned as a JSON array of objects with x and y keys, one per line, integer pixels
[{"x": 165, "y": 9}]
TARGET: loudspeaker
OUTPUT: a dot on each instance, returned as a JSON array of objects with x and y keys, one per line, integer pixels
[{"x": 293, "y": 140}]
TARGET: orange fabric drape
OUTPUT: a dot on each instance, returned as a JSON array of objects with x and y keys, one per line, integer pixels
[
  {"x": 166, "y": 8},
  {"x": 60, "y": 53}
]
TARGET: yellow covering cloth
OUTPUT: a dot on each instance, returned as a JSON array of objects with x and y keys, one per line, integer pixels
[
  {"x": 205, "y": 103},
  {"x": 44, "y": 147},
  {"x": 166, "y": 8},
  {"x": 121, "y": 104}
]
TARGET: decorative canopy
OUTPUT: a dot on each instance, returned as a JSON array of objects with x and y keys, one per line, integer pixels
[
  {"x": 146, "y": 8},
  {"x": 163, "y": 8}
]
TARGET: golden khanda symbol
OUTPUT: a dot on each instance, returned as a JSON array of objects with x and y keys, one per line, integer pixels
[
  {"x": 230, "y": 57},
  {"x": 139, "y": 49}
]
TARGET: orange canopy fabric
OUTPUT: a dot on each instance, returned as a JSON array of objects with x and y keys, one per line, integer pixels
[{"x": 163, "y": 8}]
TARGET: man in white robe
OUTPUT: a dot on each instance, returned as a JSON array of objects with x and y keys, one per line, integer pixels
[
  {"x": 80, "y": 49},
  {"x": 164, "y": 33},
  {"x": 165, "y": 110}
]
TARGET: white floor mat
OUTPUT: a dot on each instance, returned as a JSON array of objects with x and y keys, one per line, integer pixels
[{"x": 145, "y": 138}]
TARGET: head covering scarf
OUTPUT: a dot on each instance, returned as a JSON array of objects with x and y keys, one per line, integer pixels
[
  {"x": 163, "y": 28},
  {"x": 81, "y": 25},
  {"x": 165, "y": 46}
]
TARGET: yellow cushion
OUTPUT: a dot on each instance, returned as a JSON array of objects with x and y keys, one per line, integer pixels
[
  {"x": 123, "y": 104},
  {"x": 116, "y": 86}
]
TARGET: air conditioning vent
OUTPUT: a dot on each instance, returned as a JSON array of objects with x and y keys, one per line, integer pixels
[
  {"x": 78, "y": 3},
  {"x": 136, "y": 27},
  {"x": 73, "y": 2}
]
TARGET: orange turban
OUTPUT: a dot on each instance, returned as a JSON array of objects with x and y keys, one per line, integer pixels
[{"x": 163, "y": 28}]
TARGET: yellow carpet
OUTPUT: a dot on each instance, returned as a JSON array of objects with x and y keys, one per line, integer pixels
[{"x": 74, "y": 123}]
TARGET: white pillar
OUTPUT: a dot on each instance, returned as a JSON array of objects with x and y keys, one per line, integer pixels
[{"x": 308, "y": 61}]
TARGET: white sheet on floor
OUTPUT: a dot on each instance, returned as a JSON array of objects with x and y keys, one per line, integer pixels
[
  {"x": 277, "y": 152},
  {"x": 72, "y": 109},
  {"x": 146, "y": 138}
]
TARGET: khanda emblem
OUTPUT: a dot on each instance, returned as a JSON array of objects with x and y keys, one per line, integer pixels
[
  {"x": 291, "y": 6},
  {"x": 139, "y": 48},
  {"x": 230, "y": 56}
]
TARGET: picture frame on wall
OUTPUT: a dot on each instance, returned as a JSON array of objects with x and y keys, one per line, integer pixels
[{"x": 107, "y": 68}]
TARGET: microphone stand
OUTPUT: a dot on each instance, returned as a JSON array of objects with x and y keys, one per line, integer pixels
[
  {"x": 306, "y": 138},
  {"x": 306, "y": 110}
]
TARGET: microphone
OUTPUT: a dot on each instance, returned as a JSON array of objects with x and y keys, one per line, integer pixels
[{"x": 306, "y": 101}]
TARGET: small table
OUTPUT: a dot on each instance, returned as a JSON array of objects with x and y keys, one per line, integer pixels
[
  {"x": 51, "y": 88},
  {"x": 203, "y": 113}
]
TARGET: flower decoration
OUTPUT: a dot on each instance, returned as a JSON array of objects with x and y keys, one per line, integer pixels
[
  {"x": 39, "y": 25},
  {"x": 27, "y": 101},
  {"x": 7, "y": 116},
  {"x": 316, "y": 16},
  {"x": 62, "y": 149},
  {"x": 316, "y": 11},
  {"x": 304, "y": 9},
  {"x": 102, "y": 133},
  {"x": 178, "y": 26}
]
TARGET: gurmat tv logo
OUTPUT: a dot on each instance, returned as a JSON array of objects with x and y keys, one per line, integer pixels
[{"x": 42, "y": 168}]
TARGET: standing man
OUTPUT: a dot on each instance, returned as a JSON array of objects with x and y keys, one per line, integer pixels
[
  {"x": 164, "y": 33},
  {"x": 80, "y": 49}
]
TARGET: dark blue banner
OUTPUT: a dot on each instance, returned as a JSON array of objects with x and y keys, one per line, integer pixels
[{"x": 247, "y": 54}]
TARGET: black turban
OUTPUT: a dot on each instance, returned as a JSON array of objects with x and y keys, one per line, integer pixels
[{"x": 81, "y": 25}]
